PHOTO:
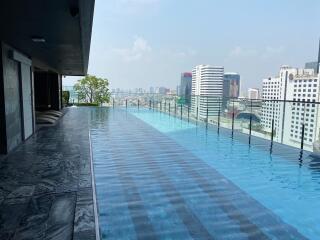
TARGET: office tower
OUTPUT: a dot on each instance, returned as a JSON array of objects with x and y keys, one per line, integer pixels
[
  {"x": 231, "y": 85},
  {"x": 185, "y": 87},
  {"x": 295, "y": 85},
  {"x": 151, "y": 90},
  {"x": 178, "y": 90},
  {"x": 163, "y": 90},
  {"x": 207, "y": 90},
  {"x": 253, "y": 93},
  {"x": 312, "y": 65}
]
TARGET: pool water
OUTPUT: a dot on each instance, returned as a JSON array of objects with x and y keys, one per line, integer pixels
[{"x": 159, "y": 177}]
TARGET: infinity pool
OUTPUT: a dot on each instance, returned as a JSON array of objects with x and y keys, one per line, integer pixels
[{"x": 159, "y": 177}]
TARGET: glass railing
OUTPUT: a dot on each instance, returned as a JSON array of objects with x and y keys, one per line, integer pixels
[{"x": 293, "y": 123}]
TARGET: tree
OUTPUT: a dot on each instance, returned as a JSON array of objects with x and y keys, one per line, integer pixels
[{"x": 92, "y": 89}]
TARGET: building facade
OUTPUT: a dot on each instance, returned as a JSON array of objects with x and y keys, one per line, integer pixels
[
  {"x": 289, "y": 118},
  {"x": 253, "y": 93},
  {"x": 185, "y": 87},
  {"x": 231, "y": 85},
  {"x": 312, "y": 65},
  {"x": 207, "y": 90}
]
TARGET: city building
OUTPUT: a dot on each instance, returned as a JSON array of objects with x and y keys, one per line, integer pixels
[
  {"x": 178, "y": 90},
  {"x": 315, "y": 64},
  {"x": 288, "y": 118},
  {"x": 151, "y": 90},
  {"x": 253, "y": 93},
  {"x": 231, "y": 85},
  {"x": 163, "y": 90},
  {"x": 185, "y": 87},
  {"x": 207, "y": 90},
  {"x": 312, "y": 65}
]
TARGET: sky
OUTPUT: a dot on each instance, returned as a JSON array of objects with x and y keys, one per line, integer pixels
[{"x": 144, "y": 43}]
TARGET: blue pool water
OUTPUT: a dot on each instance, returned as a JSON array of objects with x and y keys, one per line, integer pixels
[{"x": 161, "y": 177}]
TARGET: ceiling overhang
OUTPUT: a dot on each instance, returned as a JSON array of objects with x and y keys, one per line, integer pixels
[{"x": 55, "y": 34}]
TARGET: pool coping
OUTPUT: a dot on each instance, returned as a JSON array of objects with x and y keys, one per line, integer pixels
[{"x": 94, "y": 195}]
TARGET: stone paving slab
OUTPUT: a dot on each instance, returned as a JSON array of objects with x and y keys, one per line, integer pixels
[{"x": 45, "y": 184}]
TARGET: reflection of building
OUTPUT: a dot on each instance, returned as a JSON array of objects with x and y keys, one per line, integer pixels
[
  {"x": 298, "y": 85},
  {"x": 185, "y": 86},
  {"x": 73, "y": 95},
  {"x": 253, "y": 93},
  {"x": 207, "y": 87}
]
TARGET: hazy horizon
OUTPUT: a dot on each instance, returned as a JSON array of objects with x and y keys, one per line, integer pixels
[{"x": 143, "y": 43}]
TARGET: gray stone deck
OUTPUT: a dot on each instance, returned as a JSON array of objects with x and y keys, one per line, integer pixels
[{"x": 45, "y": 184}]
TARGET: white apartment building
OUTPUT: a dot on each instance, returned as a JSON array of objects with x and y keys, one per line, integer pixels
[
  {"x": 253, "y": 93},
  {"x": 298, "y": 85},
  {"x": 207, "y": 90}
]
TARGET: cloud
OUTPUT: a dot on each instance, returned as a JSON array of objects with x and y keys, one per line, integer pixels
[
  {"x": 139, "y": 49},
  {"x": 184, "y": 54},
  {"x": 265, "y": 53},
  {"x": 243, "y": 52},
  {"x": 272, "y": 52}
]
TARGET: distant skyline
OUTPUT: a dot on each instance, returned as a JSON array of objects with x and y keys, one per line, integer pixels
[{"x": 143, "y": 43}]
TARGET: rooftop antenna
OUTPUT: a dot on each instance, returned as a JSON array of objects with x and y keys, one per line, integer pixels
[{"x": 318, "y": 58}]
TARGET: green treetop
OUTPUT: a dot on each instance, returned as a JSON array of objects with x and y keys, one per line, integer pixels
[{"x": 92, "y": 89}]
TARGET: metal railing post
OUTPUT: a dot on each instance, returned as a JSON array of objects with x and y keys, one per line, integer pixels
[
  {"x": 181, "y": 111},
  {"x": 272, "y": 128},
  {"x": 197, "y": 112},
  {"x": 232, "y": 126},
  {"x": 112, "y": 102},
  {"x": 126, "y": 103},
  {"x": 207, "y": 117},
  {"x": 165, "y": 105},
  {"x": 250, "y": 123},
  {"x": 302, "y": 132},
  {"x": 219, "y": 112},
  {"x": 302, "y": 137},
  {"x": 160, "y": 105},
  {"x": 175, "y": 108},
  {"x": 138, "y": 104},
  {"x": 152, "y": 105},
  {"x": 188, "y": 112},
  {"x": 169, "y": 108}
]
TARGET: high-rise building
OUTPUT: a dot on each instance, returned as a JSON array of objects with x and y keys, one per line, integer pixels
[
  {"x": 312, "y": 65},
  {"x": 253, "y": 93},
  {"x": 288, "y": 117},
  {"x": 207, "y": 90},
  {"x": 231, "y": 85},
  {"x": 163, "y": 90},
  {"x": 178, "y": 90},
  {"x": 151, "y": 90},
  {"x": 185, "y": 87}
]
